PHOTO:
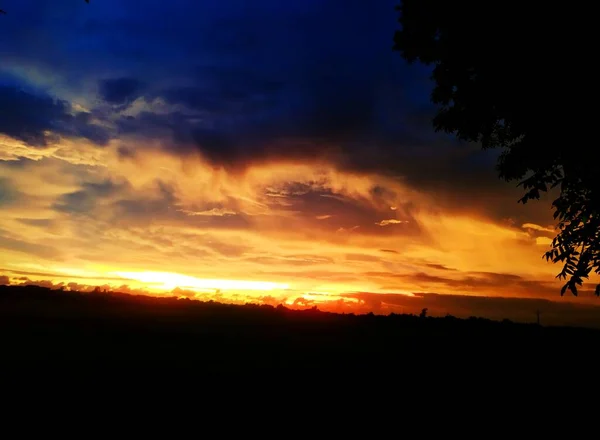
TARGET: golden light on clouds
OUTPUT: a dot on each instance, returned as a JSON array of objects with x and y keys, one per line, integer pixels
[
  {"x": 298, "y": 233},
  {"x": 391, "y": 221},
  {"x": 170, "y": 281}
]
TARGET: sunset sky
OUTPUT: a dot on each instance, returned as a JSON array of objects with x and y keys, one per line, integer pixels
[{"x": 266, "y": 151}]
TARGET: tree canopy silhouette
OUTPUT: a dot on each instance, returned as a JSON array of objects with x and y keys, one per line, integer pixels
[{"x": 506, "y": 77}]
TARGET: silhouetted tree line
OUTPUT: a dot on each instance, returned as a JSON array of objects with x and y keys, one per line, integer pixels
[{"x": 43, "y": 325}]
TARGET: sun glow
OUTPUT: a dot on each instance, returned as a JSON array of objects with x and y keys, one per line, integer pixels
[{"x": 169, "y": 281}]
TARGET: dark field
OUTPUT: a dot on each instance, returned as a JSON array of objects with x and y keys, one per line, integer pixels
[{"x": 51, "y": 328}]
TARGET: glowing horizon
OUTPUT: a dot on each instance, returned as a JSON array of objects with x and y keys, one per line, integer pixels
[
  {"x": 334, "y": 237},
  {"x": 170, "y": 281}
]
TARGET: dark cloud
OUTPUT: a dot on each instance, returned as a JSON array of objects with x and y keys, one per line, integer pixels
[
  {"x": 362, "y": 257},
  {"x": 295, "y": 260},
  {"x": 15, "y": 244},
  {"x": 8, "y": 193},
  {"x": 227, "y": 91},
  {"x": 324, "y": 275},
  {"x": 498, "y": 308},
  {"x": 120, "y": 204},
  {"x": 39, "y": 222},
  {"x": 120, "y": 91},
  {"x": 226, "y": 249},
  {"x": 125, "y": 152},
  {"x": 196, "y": 98},
  {"x": 218, "y": 146},
  {"x": 336, "y": 117},
  {"x": 84, "y": 200},
  {"x": 471, "y": 281},
  {"x": 54, "y": 275},
  {"x": 259, "y": 83},
  {"x": 305, "y": 200},
  {"x": 39, "y": 119},
  {"x": 147, "y": 207},
  {"x": 439, "y": 267},
  {"x": 175, "y": 127}
]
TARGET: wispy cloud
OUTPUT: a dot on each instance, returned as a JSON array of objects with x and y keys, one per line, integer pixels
[
  {"x": 391, "y": 222},
  {"x": 219, "y": 212},
  {"x": 539, "y": 228}
]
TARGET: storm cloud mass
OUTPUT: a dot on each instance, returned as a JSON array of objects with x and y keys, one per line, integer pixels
[{"x": 237, "y": 82}]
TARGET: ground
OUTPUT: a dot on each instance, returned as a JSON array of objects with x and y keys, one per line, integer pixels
[{"x": 53, "y": 328}]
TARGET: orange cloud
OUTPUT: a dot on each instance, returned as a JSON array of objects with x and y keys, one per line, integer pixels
[
  {"x": 322, "y": 232},
  {"x": 391, "y": 222},
  {"x": 539, "y": 228}
]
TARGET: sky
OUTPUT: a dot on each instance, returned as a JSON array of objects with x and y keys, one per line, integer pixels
[{"x": 265, "y": 151}]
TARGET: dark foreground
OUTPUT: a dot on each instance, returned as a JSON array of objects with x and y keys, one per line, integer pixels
[{"x": 51, "y": 328}]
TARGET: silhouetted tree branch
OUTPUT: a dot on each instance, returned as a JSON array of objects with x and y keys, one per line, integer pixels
[{"x": 501, "y": 80}]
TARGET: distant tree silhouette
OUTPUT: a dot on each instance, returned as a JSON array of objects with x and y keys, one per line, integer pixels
[
  {"x": 43, "y": 327},
  {"x": 506, "y": 76},
  {"x": 423, "y": 313}
]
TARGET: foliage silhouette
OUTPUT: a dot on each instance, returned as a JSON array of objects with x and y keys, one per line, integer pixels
[{"x": 499, "y": 81}]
